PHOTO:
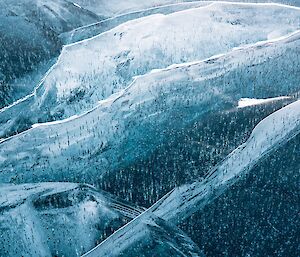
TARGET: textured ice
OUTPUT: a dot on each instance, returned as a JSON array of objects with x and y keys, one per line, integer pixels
[
  {"x": 115, "y": 7},
  {"x": 167, "y": 104},
  {"x": 61, "y": 219},
  {"x": 268, "y": 135},
  {"x": 129, "y": 124},
  {"x": 66, "y": 219},
  {"x": 272, "y": 132},
  {"x": 136, "y": 47},
  {"x": 29, "y": 39},
  {"x": 152, "y": 237},
  {"x": 97, "y": 28}
]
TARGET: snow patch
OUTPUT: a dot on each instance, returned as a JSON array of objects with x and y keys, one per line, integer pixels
[
  {"x": 36, "y": 125},
  {"x": 77, "y": 5},
  {"x": 246, "y": 102}
]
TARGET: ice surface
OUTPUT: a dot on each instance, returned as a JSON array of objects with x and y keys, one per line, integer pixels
[
  {"x": 60, "y": 15},
  {"x": 151, "y": 71},
  {"x": 61, "y": 219},
  {"x": 29, "y": 39},
  {"x": 152, "y": 237},
  {"x": 66, "y": 219},
  {"x": 136, "y": 47},
  {"x": 268, "y": 135},
  {"x": 273, "y": 131},
  {"x": 115, "y": 7},
  {"x": 259, "y": 209},
  {"x": 97, "y": 28},
  {"x": 129, "y": 124}
]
